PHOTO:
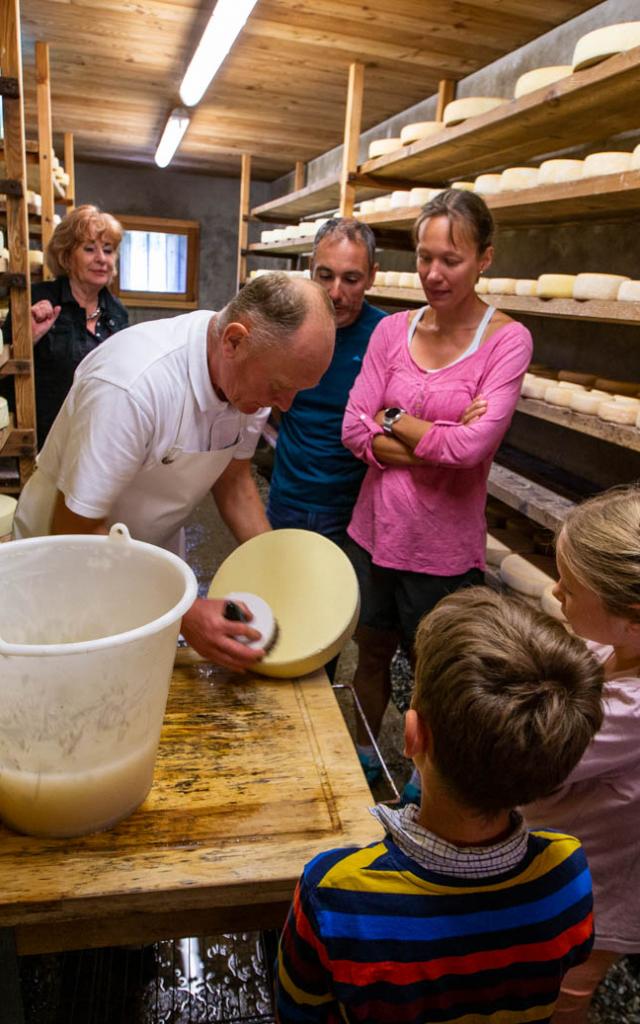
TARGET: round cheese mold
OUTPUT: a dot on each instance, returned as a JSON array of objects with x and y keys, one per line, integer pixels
[
  {"x": 538, "y": 78},
  {"x": 309, "y": 584},
  {"x": 536, "y": 387},
  {"x": 550, "y": 604},
  {"x": 585, "y": 402},
  {"x": 524, "y": 577},
  {"x": 606, "y": 163},
  {"x": 556, "y": 286},
  {"x": 487, "y": 184},
  {"x": 419, "y": 130},
  {"x": 551, "y": 172},
  {"x": 526, "y": 286},
  {"x": 605, "y": 42},
  {"x": 515, "y": 178},
  {"x": 555, "y": 395},
  {"x": 471, "y": 106},
  {"x": 629, "y": 291},
  {"x": 597, "y": 286},
  {"x": 381, "y": 147},
  {"x": 618, "y": 412},
  {"x": 8, "y": 507}
]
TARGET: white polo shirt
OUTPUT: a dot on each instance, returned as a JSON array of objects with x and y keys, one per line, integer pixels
[{"x": 131, "y": 399}]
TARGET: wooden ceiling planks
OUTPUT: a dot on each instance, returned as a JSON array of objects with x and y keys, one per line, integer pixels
[{"x": 116, "y": 66}]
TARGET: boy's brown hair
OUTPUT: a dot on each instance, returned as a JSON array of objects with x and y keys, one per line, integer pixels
[{"x": 511, "y": 699}]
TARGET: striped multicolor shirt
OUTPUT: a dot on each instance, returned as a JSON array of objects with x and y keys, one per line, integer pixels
[{"x": 379, "y": 935}]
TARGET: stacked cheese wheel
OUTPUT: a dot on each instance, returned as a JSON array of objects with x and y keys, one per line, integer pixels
[
  {"x": 582, "y": 287},
  {"x": 608, "y": 404},
  {"x": 306, "y": 229},
  {"x": 529, "y": 575}
]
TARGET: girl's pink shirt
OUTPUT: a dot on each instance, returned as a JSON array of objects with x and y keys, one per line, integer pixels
[
  {"x": 430, "y": 518},
  {"x": 600, "y": 804}
]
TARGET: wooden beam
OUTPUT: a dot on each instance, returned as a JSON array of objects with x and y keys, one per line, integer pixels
[
  {"x": 45, "y": 145},
  {"x": 17, "y": 222},
  {"x": 298, "y": 178},
  {"x": 69, "y": 166},
  {"x": 446, "y": 93},
  {"x": 243, "y": 219},
  {"x": 352, "y": 125}
]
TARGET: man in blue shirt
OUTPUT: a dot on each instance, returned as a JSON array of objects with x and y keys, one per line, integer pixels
[{"x": 315, "y": 479}]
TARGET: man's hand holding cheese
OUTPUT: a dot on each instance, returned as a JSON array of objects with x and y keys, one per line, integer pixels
[{"x": 168, "y": 410}]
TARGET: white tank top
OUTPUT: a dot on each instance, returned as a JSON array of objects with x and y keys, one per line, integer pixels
[{"x": 475, "y": 343}]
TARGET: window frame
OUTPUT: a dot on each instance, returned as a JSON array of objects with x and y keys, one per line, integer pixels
[{"x": 164, "y": 300}]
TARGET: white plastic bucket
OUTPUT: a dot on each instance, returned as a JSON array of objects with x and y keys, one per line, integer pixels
[{"x": 88, "y": 629}]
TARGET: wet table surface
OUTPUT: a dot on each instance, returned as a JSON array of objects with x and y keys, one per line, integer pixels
[{"x": 253, "y": 778}]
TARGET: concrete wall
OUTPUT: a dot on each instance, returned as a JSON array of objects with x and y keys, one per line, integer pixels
[{"x": 151, "y": 192}]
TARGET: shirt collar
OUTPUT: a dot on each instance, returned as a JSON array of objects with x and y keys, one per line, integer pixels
[
  {"x": 199, "y": 376},
  {"x": 443, "y": 857}
]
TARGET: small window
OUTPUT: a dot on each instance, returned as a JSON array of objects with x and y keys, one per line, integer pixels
[{"x": 158, "y": 262}]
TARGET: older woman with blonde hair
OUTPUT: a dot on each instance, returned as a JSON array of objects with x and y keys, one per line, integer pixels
[{"x": 72, "y": 314}]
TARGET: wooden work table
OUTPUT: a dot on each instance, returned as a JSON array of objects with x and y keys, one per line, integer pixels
[{"x": 253, "y": 778}]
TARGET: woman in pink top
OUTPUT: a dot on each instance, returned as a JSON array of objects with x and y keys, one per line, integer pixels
[
  {"x": 432, "y": 402},
  {"x": 598, "y": 556}
]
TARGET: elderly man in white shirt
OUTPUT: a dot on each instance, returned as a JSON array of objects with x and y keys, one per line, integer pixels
[{"x": 164, "y": 412}]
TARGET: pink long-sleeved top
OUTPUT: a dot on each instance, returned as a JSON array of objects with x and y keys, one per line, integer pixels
[{"x": 430, "y": 518}]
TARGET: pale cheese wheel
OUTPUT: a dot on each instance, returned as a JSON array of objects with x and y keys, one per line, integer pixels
[
  {"x": 470, "y": 106},
  {"x": 482, "y": 286},
  {"x": 526, "y": 286},
  {"x": 635, "y": 158},
  {"x": 537, "y": 387},
  {"x": 291, "y": 231},
  {"x": 278, "y": 235},
  {"x": 419, "y": 130},
  {"x": 626, "y": 399},
  {"x": 381, "y": 204},
  {"x": 4, "y": 263},
  {"x": 381, "y": 147},
  {"x": 419, "y": 196},
  {"x": 496, "y": 551},
  {"x": 551, "y": 172},
  {"x": 604, "y": 42},
  {"x": 488, "y": 184},
  {"x": 550, "y": 604},
  {"x": 319, "y": 222},
  {"x": 311, "y": 587},
  {"x": 393, "y": 279},
  {"x": 400, "y": 198},
  {"x": 266, "y": 236},
  {"x": 502, "y": 286},
  {"x": 1, "y": 239},
  {"x": 556, "y": 286},
  {"x": 4, "y": 413},
  {"x": 638, "y": 419},
  {"x": 406, "y": 280},
  {"x": 538, "y": 78},
  {"x": 36, "y": 258},
  {"x": 464, "y": 186},
  {"x": 585, "y": 402},
  {"x": 617, "y": 412},
  {"x": 523, "y": 577},
  {"x": 597, "y": 286},
  {"x": 555, "y": 395},
  {"x": 629, "y": 291},
  {"x": 7, "y": 511},
  {"x": 569, "y": 385},
  {"x": 514, "y": 178},
  {"x": 606, "y": 163},
  {"x": 367, "y": 206},
  {"x": 380, "y": 279},
  {"x": 307, "y": 228}
]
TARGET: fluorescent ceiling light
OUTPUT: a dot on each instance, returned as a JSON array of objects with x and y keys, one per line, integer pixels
[
  {"x": 218, "y": 37},
  {"x": 174, "y": 129}
]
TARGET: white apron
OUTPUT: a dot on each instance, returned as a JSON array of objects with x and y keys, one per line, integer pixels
[{"x": 154, "y": 506}]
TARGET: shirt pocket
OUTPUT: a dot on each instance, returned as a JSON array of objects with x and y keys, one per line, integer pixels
[{"x": 447, "y": 399}]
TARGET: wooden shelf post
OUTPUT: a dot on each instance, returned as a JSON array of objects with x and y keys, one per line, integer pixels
[
  {"x": 45, "y": 145},
  {"x": 446, "y": 93},
  {"x": 352, "y": 125},
  {"x": 69, "y": 166},
  {"x": 298, "y": 178},
  {"x": 18, "y": 231},
  {"x": 243, "y": 226}
]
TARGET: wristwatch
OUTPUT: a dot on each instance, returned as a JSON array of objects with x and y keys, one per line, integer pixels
[{"x": 391, "y": 416}]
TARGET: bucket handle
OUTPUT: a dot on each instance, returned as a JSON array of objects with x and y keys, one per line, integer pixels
[{"x": 119, "y": 534}]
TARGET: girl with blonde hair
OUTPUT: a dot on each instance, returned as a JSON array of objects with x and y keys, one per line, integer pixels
[{"x": 598, "y": 556}]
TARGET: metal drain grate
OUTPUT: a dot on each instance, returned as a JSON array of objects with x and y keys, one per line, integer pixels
[{"x": 222, "y": 979}]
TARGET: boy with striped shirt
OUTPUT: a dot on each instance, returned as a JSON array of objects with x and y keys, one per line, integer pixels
[{"x": 460, "y": 914}]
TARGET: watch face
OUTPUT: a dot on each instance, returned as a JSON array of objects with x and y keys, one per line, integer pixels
[{"x": 393, "y": 411}]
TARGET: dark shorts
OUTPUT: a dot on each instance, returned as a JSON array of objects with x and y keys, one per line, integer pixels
[{"x": 395, "y": 599}]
